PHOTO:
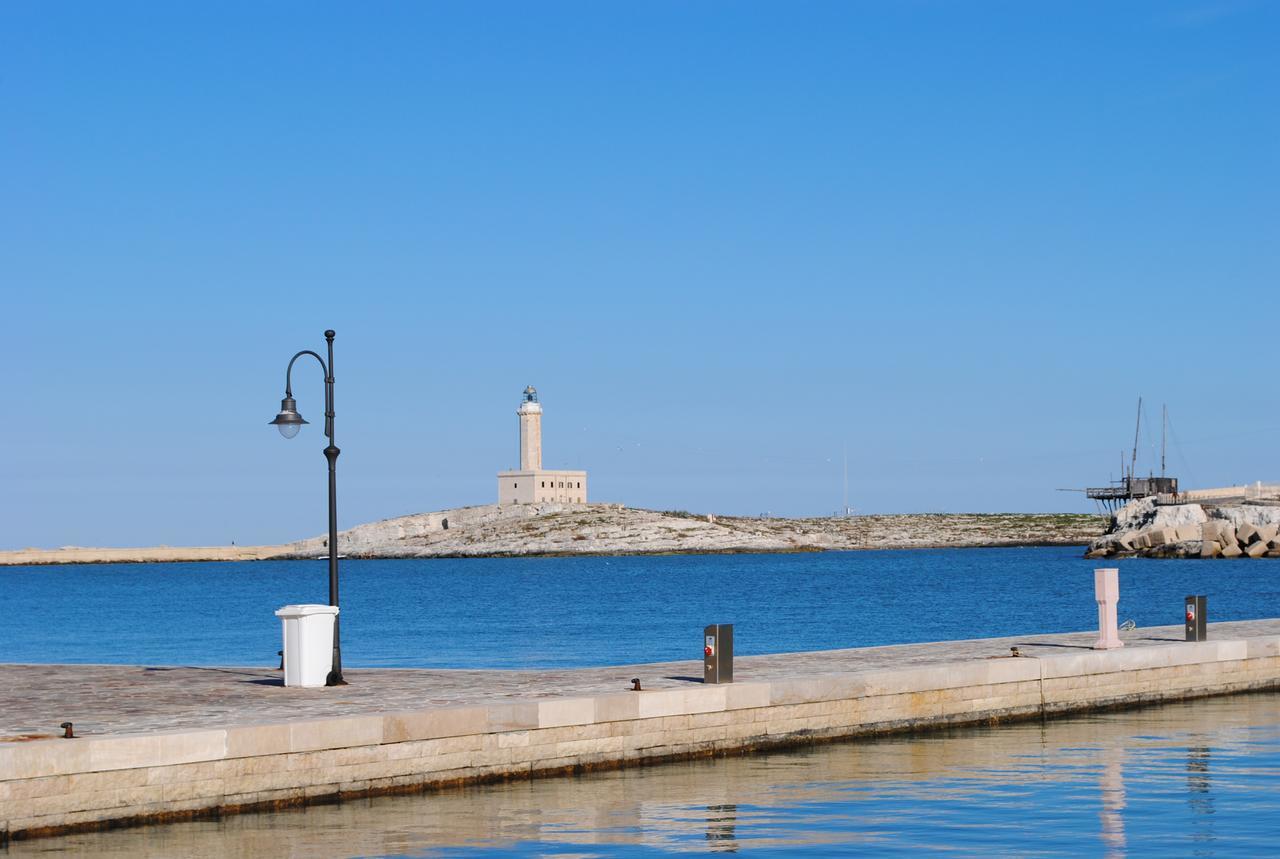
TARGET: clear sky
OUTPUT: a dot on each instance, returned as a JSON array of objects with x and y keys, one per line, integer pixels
[{"x": 726, "y": 241}]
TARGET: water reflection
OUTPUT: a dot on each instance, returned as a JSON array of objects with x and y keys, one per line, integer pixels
[
  {"x": 1199, "y": 793},
  {"x": 1111, "y": 787},
  {"x": 1188, "y": 779},
  {"x": 721, "y": 820}
]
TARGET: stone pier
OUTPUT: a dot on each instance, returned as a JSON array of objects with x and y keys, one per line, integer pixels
[{"x": 155, "y": 744}]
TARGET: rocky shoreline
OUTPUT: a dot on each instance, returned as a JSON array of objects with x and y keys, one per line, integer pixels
[
  {"x": 612, "y": 529},
  {"x": 1146, "y": 528}
]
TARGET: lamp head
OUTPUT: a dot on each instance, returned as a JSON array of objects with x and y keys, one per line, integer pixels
[{"x": 288, "y": 421}]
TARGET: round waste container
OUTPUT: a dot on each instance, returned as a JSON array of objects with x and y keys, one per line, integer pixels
[{"x": 308, "y": 643}]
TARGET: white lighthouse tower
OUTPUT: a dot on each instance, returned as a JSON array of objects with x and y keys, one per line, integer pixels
[
  {"x": 530, "y": 413},
  {"x": 532, "y": 484}
]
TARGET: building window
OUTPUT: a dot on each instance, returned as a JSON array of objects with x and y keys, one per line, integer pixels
[
  {"x": 579, "y": 485},
  {"x": 515, "y": 485},
  {"x": 544, "y": 484}
]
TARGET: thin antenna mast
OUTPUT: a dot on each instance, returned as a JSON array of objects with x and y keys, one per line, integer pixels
[
  {"x": 1133, "y": 465},
  {"x": 845, "y": 510},
  {"x": 1164, "y": 426}
]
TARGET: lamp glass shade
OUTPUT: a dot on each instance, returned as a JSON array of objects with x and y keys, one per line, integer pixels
[{"x": 288, "y": 421}]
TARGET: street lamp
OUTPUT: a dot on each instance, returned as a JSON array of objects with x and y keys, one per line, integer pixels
[{"x": 289, "y": 422}]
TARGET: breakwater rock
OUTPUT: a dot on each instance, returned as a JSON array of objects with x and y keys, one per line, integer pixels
[{"x": 1146, "y": 528}]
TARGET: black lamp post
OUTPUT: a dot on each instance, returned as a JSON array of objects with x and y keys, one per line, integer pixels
[{"x": 289, "y": 422}]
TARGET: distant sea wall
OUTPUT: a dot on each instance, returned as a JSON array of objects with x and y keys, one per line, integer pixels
[
  {"x": 151, "y": 555},
  {"x": 1146, "y": 528}
]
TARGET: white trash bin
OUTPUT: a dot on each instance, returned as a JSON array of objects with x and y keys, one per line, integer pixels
[{"x": 308, "y": 643}]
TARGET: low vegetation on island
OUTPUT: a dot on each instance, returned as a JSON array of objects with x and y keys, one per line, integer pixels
[{"x": 613, "y": 529}]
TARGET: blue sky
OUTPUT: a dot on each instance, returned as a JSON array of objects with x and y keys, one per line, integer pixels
[{"x": 725, "y": 241}]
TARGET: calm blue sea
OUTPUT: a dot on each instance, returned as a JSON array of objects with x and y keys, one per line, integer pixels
[{"x": 565, "y": 612}]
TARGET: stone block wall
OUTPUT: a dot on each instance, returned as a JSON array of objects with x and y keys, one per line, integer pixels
[{"x": 57, "y": 785}]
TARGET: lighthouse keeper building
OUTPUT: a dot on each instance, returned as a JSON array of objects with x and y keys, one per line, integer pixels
[{"x": 532, "y": 483}]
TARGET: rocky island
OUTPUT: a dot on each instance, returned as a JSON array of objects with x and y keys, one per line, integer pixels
[{"x": 613, "y": 529}]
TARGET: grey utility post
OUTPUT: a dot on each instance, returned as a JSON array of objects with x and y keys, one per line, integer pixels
[
  {"x": 717, "y": 653},
  {"x": 1196, "y": 619}
]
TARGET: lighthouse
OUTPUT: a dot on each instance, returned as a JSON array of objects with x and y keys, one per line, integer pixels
[
  {"x": 531, "y": 483},
  {"x": 530, "y": 413}
]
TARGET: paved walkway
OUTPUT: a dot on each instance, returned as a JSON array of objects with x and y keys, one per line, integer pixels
[{"x": 116, "y": 699}]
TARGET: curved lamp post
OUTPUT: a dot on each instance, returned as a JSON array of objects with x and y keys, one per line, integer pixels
[{"x": 289, "y": 422}]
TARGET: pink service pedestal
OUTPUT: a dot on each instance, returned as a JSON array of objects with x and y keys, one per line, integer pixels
[{"x": 1106, "y": 589}]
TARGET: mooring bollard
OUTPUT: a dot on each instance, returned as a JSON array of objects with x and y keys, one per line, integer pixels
[
  {"x": 1196, "y": 619},
  {"x": 1106, "y": 589}
]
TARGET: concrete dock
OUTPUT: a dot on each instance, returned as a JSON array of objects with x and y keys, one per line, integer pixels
[{"x": 165, "y": 743}]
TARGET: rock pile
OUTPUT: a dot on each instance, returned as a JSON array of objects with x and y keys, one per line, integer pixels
[
  {"x": 1148, "y": 529},
  {"x": 1225, "y": 539}
]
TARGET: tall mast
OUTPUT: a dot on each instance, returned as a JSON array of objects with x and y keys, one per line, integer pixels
[
  {"x": 845, "y": 510},
  {"x": 1164, "y": 424},
  {"x": 1133, "y": 465}
]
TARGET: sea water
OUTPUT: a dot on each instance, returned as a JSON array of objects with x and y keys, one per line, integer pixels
[{"x": 587, "y": 611}]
